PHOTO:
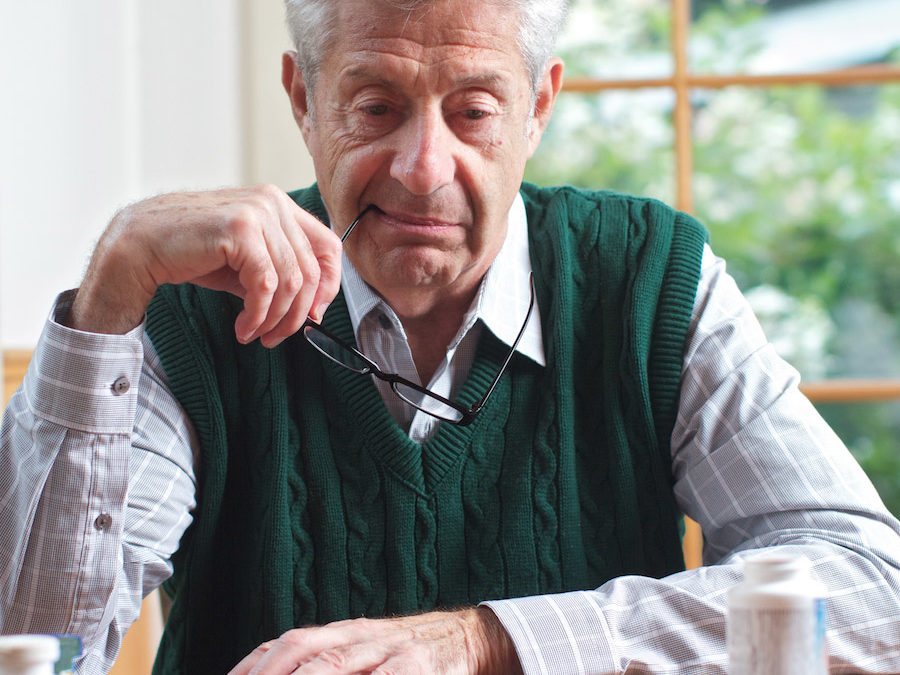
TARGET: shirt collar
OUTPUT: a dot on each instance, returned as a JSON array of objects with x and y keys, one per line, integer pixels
[{"x": 501, "y": 302}]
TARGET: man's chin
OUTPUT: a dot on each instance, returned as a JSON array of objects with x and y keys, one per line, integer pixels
[{"x": 415, "y": 271}]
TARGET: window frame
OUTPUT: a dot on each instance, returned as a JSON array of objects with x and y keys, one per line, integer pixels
[{"x": 682, "y": 82}]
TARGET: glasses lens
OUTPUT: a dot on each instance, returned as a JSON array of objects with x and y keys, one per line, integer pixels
[
  {"x": 335, "y": 351},
  {"x": 427, "y": 403}
]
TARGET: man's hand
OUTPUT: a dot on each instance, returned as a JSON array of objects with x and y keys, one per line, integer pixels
[
  {"x": 255, "y": 243},
  {"x": 465, "y": 641}
]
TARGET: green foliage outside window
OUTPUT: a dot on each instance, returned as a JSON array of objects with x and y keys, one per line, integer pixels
[{"x": 799, "y": 187}]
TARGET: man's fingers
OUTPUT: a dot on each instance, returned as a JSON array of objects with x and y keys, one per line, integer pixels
[
  {"x": 259, "y": 279},
  {"x": 251, "y": 659},
  {"x": 290, "y": 323},
  {"x": 289, "y": 655},
  {"x": 327, "y": 248},
  {"x": 314, "y": 254},
  {"x": 297, "y": 271},
  {"x": 401, "y": 666},
  {"x": 294, "y": 301},
  {"x": 302, "y": 646},
  {"x": 279, "y": 255},
  {"x": 351, "y": 658}
]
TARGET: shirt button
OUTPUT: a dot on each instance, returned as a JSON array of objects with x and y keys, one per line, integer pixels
[
  {"x": 103, "y": 522},
  {"x": 121, "y": 386}
]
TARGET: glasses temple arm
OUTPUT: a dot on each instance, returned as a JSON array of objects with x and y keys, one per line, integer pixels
[
  {"x": 476, "y": 407},
  {"x": 355, "y": 222}
]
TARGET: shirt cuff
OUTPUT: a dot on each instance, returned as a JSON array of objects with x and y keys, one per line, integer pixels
[
  {"x": 85, "y": 381},
  {"x": 563, "y": 633}
]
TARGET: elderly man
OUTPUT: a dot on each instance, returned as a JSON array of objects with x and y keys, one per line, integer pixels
[{"x": 460, "y": 442}]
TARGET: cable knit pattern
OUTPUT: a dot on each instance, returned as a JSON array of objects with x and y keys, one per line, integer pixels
[
  {"x": 597, "y": 506},
  {"x": 481, "y": 497},
  {"x": 314, "y": 506},
  {"x": 304, "y": 597},
  {"x": 426, "y": 554}
]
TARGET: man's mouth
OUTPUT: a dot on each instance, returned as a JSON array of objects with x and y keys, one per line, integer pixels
[{"x": 400, "y": 219}]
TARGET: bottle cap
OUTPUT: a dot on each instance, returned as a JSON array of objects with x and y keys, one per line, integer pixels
[
  {"x": 773, "y": 566},
  {"x": 28, "y": 649}
]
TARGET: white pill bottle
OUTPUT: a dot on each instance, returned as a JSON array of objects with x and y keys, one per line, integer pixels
[
  {"x": 776, "y": 619},
  {"x": 28, "y": 654}
]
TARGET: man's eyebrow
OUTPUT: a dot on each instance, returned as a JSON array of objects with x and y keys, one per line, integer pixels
[
  {"x": 491, "y": 80},
  {"x": 488, "y": 80},
  {"x": 364, "y": 72}
]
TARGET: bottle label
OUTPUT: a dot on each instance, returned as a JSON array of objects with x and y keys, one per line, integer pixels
[{"x": 777, "y": 641}]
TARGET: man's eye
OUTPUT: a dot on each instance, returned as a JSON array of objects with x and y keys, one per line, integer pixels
[
  {"x": 475, "y": 114},
  {"x": 377, "y": 109}
]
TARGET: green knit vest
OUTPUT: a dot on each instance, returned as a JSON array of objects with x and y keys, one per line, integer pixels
[{"x": 313, "y": 505}]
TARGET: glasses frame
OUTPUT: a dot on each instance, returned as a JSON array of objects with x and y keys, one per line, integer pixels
[{"x": 467, "y": 413}]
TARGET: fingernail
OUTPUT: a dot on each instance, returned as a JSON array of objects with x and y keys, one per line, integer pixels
[
  {"x": 244, "y": 337},
  {"x": 320, "y": 311},
  {"x": 268, "y": 342}
]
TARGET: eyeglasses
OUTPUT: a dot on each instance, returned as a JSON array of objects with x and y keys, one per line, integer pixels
[{"x": 416, "y": 395}]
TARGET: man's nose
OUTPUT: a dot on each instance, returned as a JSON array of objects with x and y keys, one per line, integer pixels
[{"x": 424, "y": 161}]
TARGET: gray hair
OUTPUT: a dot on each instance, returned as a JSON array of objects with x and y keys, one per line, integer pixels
[{"x": 312, "y": 24}]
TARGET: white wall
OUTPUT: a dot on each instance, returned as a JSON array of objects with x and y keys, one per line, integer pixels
[
  {"x": 105, "y": 101},
  {"x": 274, "y": 149}
]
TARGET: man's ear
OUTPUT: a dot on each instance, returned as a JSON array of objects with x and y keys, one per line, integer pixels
[
  {"x": 294, "y": 85},
  {"x": 549, "y": 87}
]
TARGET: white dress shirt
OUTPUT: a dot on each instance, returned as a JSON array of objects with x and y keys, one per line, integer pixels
[{"x": 97, "y": 486}]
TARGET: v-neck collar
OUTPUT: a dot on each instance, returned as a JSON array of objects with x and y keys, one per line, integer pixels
[{"x": 423, "y": 465}]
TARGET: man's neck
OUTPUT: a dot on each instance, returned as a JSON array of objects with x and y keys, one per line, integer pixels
[{"x": 430, "y": 334}]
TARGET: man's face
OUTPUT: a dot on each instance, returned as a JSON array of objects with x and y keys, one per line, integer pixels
[{"x": 426, "y": 116}]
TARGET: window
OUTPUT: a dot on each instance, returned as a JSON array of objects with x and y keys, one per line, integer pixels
[{"x": 777, "y": 123}]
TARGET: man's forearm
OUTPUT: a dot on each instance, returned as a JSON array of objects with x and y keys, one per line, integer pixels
[
  {"x": 64, "y": 481},
  {"x": 254, "y": 243},
  {"x": 71, "y": 557}
]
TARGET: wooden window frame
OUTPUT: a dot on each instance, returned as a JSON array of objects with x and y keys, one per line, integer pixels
[{"x": 682, "y": 82}]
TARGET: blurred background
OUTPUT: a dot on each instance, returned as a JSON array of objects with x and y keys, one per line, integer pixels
[
  {"x": 103, "y": 102},
  {"x": 775, "y": 122}
]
